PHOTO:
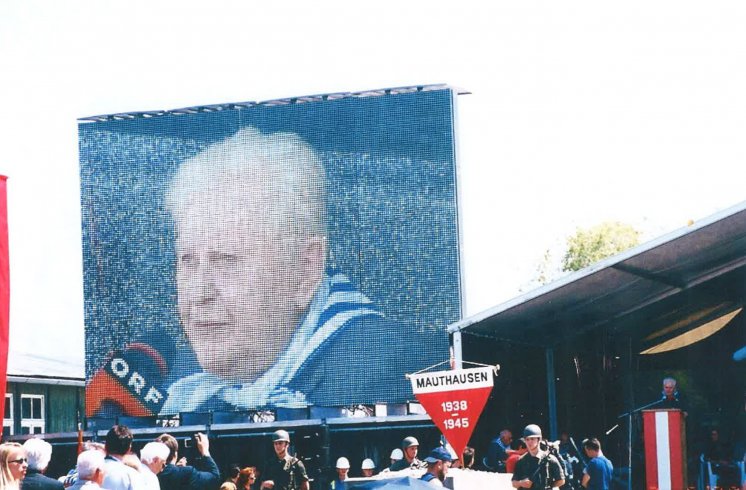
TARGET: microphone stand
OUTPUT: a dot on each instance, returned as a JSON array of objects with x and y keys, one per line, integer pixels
[{"x": 629, "y": 415}]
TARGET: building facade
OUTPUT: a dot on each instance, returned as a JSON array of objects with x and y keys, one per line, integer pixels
[{"x": 40, "y": 404}]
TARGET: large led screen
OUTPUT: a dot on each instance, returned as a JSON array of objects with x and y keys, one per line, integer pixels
[{"x": 286, "y": 254}]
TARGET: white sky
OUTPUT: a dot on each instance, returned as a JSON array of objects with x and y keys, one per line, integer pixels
[{"x": 580, "y": 112}]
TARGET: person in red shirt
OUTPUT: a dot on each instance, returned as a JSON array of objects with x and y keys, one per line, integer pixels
[{"x": 519, "y": 446}]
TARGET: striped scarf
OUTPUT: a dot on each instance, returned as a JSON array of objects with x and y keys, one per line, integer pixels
[{"x": 335, "y": 304}]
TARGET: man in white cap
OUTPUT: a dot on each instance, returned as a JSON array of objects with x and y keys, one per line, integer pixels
[
  {"x": 343, "y": 467},
  {"x": 368, "y": 467},
  {"x": 396, "y": 455}
]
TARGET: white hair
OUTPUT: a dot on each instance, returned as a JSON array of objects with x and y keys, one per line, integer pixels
[
  {"x": 39, "y": 453},
  {"x": 153, "y": 450},
  {"x": 88, "y": 462},
  {"x": 279, "y": 172}
]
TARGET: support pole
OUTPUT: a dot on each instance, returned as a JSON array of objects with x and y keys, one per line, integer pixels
[
  {"x": 631, "y": 403},
  {"x": 457, "y": 353},
  {"x": 551, "y": 394}
]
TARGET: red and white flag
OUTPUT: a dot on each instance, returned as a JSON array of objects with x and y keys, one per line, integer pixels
[
  {"x": 664, "y": 449},
  {"x": 4, "y": 287},
  {"x": 454, "y": 400}
]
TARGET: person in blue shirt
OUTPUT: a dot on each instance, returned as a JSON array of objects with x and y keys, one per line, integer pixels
[
  {"x": 438, "y": 462},
  {"x": 499, "y": 450},
  {"x": 599, "y": 471}
]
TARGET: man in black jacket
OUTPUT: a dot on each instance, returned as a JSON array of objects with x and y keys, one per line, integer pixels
[
  {"x": 283, "y": 471},
  {"x": 204, "y": 475},
  {"x": 39, "y": 452}
]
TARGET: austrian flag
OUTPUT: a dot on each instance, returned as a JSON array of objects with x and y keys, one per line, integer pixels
[{"x": 665, "y": 455}]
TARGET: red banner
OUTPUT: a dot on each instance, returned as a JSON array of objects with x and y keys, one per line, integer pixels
[
  {"x": 665, "y": 449},
  {"x": 4, "y": 288},
  {"x": 454, "y": 400}
]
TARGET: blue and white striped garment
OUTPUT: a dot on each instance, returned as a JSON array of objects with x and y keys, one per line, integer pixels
[{"x": 336, "y": 304}]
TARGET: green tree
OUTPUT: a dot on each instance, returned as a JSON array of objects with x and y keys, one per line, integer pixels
[
  {"x": 545, "y": 270},
  {"x": 590, "y": 245}
]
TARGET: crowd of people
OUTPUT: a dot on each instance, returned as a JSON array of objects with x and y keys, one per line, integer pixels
[
  {"x": 433, "y": 468},
  {"x": 113, "y": 465},
  {"x": 536, "y": 463},
  {"x": 532, "y": 461}
]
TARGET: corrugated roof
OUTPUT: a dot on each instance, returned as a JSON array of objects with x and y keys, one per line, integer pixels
[
  {"x": 669, "y": 285},
  {"x": 26, "y": 364}
]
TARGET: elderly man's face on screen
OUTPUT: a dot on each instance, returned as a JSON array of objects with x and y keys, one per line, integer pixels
[{"x": 244, "y": 274}]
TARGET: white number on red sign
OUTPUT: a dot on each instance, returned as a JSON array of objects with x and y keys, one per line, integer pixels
[
  {"x": 458, "y": 423},
  {"x": 454, "y": 406}
]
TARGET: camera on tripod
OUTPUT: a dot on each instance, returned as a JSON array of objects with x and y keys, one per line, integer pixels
[{"x": 550, "y": 446}]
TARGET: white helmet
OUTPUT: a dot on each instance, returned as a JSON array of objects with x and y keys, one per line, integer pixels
[
  {"x": 368, "y": 464},
  {"x": 343, "y": 463},
  {"x": 397, "y": 454}
]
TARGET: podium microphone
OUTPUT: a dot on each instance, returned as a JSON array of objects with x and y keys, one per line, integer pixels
[
  {"x": 675, "y": 395},
  {"x": 129, "y": 383}
]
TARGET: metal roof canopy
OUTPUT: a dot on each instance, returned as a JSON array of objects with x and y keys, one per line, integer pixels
[
  {"x": 663, "y": 287},
  {"x": 649, "y": 294}
]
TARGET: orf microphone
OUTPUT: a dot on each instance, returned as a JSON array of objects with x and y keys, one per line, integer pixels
[{"x": 129, "y": 383}]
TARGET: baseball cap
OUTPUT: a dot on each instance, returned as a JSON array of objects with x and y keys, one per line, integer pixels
[{"x": 438, "y": 454}]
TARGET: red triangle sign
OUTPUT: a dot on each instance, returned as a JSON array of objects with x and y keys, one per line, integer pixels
[{"x": 454, "y": 400}]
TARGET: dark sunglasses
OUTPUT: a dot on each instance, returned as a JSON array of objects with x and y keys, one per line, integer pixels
[{"x": 19, "y": 461}]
